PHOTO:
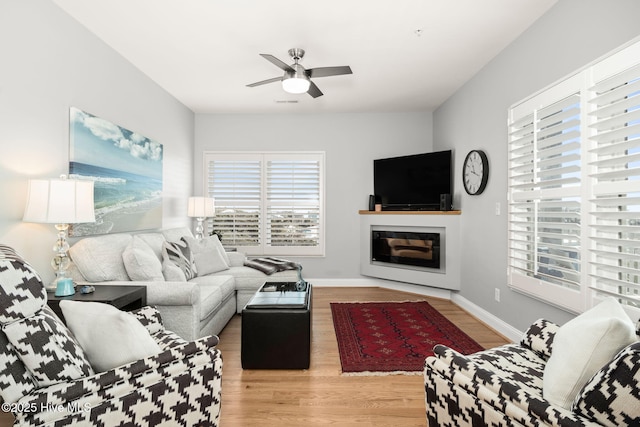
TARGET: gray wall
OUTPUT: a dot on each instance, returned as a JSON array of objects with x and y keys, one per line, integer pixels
[
  {"x": 50, "y": 63},
  {"x": 350, "y": 143},
  {"x": 571, "y": 35}
]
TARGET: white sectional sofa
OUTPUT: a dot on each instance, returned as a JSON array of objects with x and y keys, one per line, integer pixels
[{"x": 191, "y": 307}]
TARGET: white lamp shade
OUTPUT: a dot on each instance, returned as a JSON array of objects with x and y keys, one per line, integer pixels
[
  {"x": 201, "y": 207},
  {"x": 59, "y": 201}
]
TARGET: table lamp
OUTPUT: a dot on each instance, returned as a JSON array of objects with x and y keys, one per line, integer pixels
[
  {"x": 61, "y": 202},
  {"x": 201, "y": 208}
]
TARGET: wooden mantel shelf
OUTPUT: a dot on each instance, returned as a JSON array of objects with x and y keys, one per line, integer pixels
[{"x": 365, "y": 212}]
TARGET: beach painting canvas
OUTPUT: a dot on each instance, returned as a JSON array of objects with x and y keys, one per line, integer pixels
[{"x": 126, "y": 169}]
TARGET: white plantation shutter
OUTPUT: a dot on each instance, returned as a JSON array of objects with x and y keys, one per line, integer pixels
[
  {"x": 293, "y": 202},
  {"x": 615, "y": 119},
  {"x": 574, "y": 187},
  {"x": 544, "y": 181},
  {"x": 268, "y": 203},
  {"x": 235, "y": 182}
]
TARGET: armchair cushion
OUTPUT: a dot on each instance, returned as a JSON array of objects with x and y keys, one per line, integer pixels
[
  {"x": 608, "y": 397},
  {"x": 15, "y": 380},
  {"x": 48, "y": 349},
  {"x": 586, "y": 343},
  {"x": 110, "y": 337}
]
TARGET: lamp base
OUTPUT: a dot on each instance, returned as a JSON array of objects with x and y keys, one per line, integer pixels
[{"x": 65, "y": 288}]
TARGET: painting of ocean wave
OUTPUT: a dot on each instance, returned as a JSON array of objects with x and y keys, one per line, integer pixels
[{"x": 126, "y": 169}]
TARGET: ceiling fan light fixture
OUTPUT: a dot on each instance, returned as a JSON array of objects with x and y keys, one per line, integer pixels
[{"x": 296, "y": 84}]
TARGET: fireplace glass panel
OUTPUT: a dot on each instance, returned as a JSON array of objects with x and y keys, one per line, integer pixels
[{"x": 406, "y": 248}]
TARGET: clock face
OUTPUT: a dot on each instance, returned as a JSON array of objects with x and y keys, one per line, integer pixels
[{"x": 475, "y": 172}]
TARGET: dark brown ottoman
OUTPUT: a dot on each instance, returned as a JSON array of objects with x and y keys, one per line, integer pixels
[{"x": 276, "y": 327}]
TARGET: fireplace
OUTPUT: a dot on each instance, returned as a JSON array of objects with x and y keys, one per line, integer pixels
[
  {"x": 408, "y": 248},
  {"x": 445, "y": 224}
]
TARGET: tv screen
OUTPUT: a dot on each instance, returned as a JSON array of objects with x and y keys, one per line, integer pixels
[{"x": 412, "y": 182}]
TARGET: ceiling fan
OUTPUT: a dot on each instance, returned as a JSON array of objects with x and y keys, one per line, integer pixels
[{"x": 296, "y": 78}]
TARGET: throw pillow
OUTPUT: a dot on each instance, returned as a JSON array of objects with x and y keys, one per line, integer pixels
[
  {"x": 110, "y": 337},
  {"x": 206, "y": 255},
  {"x": 581, "y": 347},
  {"x": 608, "y": 398},
  {"x": 141, "y": 262},
  {"x": 170, "y": 271},
  {"x": 47, "y": 349},
  {"x": 99, "y": 259},
  {"x": 180, "y": 254}
]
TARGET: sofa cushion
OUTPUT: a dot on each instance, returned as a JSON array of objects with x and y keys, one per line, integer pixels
[
  {"x": 110, "y": 337},
  {"x": 141, "y": 262},
  {"x": 585, "y": 344},
  {"x": 207, "y": 254},
  {"x": 48, "y": 349},
  {"x": 155, "y": 242},
  {"x": 225, "y": 282},
  {"x": 99, "y": 259},
  {"x": 611, "y": 397},
  {"x": 180, "y": 254}
]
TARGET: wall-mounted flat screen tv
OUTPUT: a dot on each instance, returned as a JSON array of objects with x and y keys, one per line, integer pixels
[{"x": 413, "y": 182}]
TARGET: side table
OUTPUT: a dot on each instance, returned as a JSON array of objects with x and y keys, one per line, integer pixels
[{"x": 125, "y": 298}]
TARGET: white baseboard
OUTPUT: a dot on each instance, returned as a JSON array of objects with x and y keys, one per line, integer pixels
[
  {"x": 492, "y": 321},
  {"x": 481, "y": 314}
]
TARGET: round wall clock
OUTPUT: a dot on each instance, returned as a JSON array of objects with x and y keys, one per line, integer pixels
[{"x": 475, "y": 172}]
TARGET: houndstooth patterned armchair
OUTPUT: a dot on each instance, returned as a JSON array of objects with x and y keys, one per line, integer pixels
[
  {"x": 46, "y": 379},
  {"x": 502, "y": 387}
]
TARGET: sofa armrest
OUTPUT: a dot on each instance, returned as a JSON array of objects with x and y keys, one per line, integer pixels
[
  {"x": 504, "y": 395},
  {"x": 118, "y": 396},
  {"x": 539, "y": 337}
]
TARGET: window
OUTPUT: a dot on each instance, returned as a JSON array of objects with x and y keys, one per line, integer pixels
[
  {"x": 574, "y": 187},
  {"x": 268, "y": 203}
]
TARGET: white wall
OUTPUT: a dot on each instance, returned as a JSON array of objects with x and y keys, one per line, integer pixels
[
  {"x": 351, "y": 143},
  {"x": 572, "y": 34},
  {"x": 48, "y": 64}
]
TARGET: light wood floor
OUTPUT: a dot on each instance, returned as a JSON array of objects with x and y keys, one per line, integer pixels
[{"x": 321, "y": 395}]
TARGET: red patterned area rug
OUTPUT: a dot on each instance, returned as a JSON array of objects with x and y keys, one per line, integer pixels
[{"x": 382, "y": 338}]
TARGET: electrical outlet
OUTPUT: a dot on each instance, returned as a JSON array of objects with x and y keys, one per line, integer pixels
[
  {"x": 497, "y": 294},
  {"x": 498, "y": 208}
]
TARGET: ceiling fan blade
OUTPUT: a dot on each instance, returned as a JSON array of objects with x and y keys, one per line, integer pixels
[
  {"x": 314, "y": 91},
  {"x": 275, "y": 61},
  {"x": 264, "y": 82},
  {"x": 328, "y": 71}
]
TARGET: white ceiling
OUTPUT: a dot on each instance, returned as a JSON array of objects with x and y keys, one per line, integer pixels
[{"x": 406, "y": 55}]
